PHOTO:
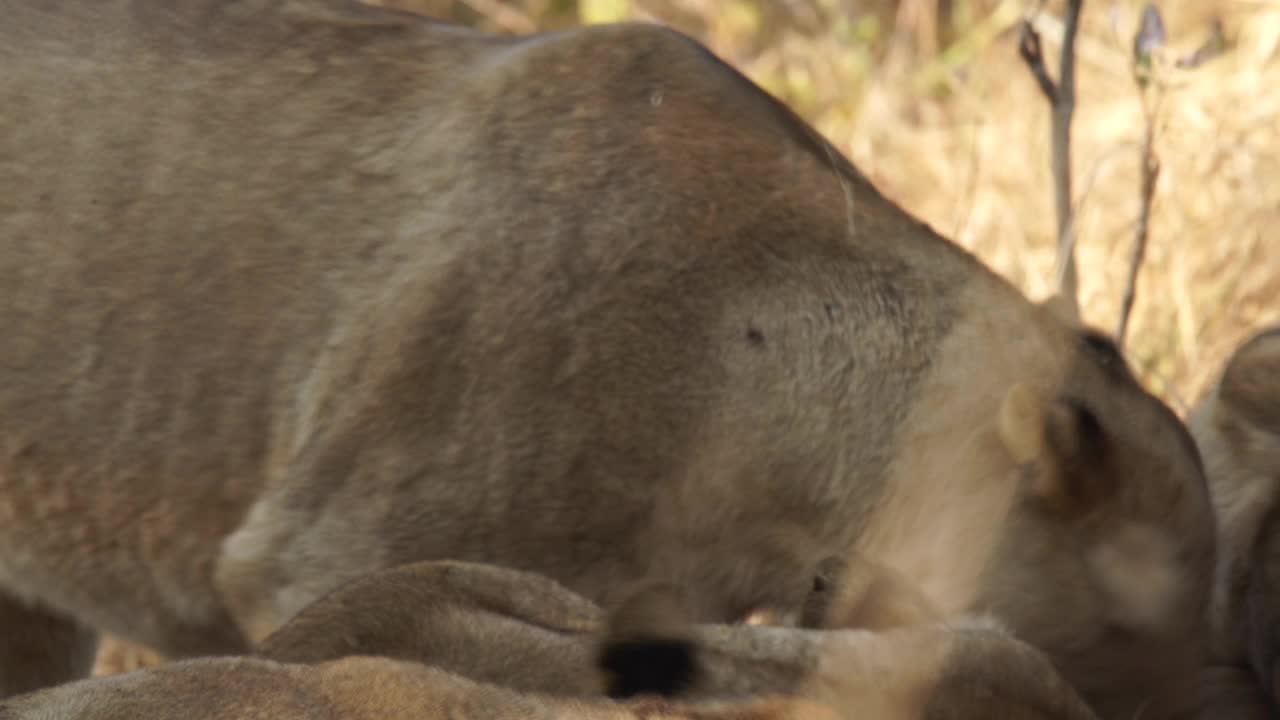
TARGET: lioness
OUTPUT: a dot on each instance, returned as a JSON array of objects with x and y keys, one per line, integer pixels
[
  {"x": 298, "y": 290},
  {"x": 1236, "y": 424},
  {"x": 487, "y": 623},
  {"x": 464, "y": 630},
  {"x": 527, "y": 632},
  {"x": 903, "y": 675}
]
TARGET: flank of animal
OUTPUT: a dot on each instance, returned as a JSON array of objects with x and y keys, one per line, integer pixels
[
  {"x": 465, "y": 640},
  {"x": 296, "y": 291}
]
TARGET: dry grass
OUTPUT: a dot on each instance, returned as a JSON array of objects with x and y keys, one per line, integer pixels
[
  {"x": 959, "y": 135},
  {"x": 975, "y": 164}
]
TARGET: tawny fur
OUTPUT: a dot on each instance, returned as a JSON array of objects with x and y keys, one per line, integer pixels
[
  {"x": 529, "y": 633},
  {"x": 855, "y": 591},
  {"x": 1236, "y": 424},
  {"x": 464, "y": 640},
  {"x": 354, "y": 688},
  {"x": 298, "y": 290},
  {"x": 367, "y": 688}
]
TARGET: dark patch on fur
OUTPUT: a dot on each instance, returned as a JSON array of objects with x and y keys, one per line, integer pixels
[
  {"x": 1105, "y": 351},
  {"x": 659, "y": 666},
  {"x": 1081, "y": 446},
  {"x": 754, "y": 336},
  {"x": 1088, "y": 428},
  {"x": 1262, "y": 632},
  {"x": 1249, "y": 383}
]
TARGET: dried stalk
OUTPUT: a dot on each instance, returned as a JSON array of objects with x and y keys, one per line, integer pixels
[
  {"x": 1146, "y": 46},
  {"x": 1062, "y": 101}
]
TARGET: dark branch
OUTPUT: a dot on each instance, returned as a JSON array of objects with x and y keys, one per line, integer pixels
[
  {"x": 1063, "y": 108},
  {"x": 1150, "y": 173},
  {"x": 1029, "y": 49},
  {"x": 1146, "y": 45},
  {"x": 1062, "y": 99}
]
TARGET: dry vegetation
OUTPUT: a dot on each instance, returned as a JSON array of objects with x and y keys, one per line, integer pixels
[{"x": 929, "y": 98}]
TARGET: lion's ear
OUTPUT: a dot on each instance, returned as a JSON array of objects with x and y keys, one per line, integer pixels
[
  {"x": 1022, "y": 424},
  {"x": 1060, "y": 443},
  {"x": 1064, "y": 307},
  {"x": 1250, "y": 386}
]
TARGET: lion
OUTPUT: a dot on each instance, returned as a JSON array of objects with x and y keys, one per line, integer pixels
[
  {"x": 649, "y": 648},
  {"x": 457, "y": 639},
  {"x": 1236, "y": 424},
  {"x": 529, "y": 633},
  {"x": 353, "y": 688},
  {"x": 485, "y": 622},
  {"x": 380, "y": 688},
  {"x": 299, "y": 290}
]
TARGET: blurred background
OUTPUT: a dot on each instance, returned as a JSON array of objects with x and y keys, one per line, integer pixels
[{"x": 931, "y": 100}]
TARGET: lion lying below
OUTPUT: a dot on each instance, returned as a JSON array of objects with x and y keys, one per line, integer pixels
[{"x": 464, "y": 640}]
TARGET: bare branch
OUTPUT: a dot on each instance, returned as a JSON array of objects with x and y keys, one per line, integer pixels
[
  {"x": 1146, "y": 45},
  {"x": 1063, "y": 108},
  {"x": 1033, "y": 56},
  {"x": 1062, "y": 101},
  {"x": 1150, "y": 173}
]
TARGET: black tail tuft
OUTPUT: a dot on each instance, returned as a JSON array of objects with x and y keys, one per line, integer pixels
[{"x": 635, "y": 666}]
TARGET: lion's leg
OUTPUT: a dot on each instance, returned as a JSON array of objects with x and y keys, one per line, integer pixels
[
  {"x": 279, "y": 562},
  {"x": 40, "y": 647},
  {"x": 248, "y": 575}
]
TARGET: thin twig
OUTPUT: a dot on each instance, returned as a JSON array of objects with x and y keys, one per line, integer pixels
[
  {"x": 1146, "y": 49},
  {"x": 1033, "y": 55},
  {"x": 1062, "y": 101},
  {"x": 1064, "y": 107},
  {"x": 1150, "y": 173}
]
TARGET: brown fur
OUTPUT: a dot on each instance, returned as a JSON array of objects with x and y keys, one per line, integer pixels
[
  {"x": 987, "y": 673},
  {"x": 297, "y": 290},
  {"x": 1260, "y": 612},
  {"x": 487, "y": 623},
  {"x": 526, "y": 633},
  {"x": 471, "y": 640},
  {"x": 1230, "y": 693},
  {"x": 1237, "y": 427},
  {"x": 523, "y": 631},
  {"x": 354, "y": 688},
  {"x": 856, "y": 592},
  {"x": 368, "y": 688}
]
